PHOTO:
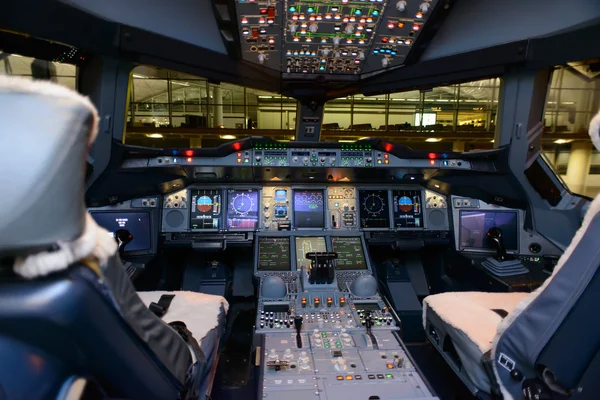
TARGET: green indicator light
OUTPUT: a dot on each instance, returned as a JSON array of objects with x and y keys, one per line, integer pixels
[
  {"x": 310, "y": 10},
  {"x": 324, "y": 334},
  {"x": 375, "y": 13},
  {"x": 292, "y": 9},
  {"x": 389, "y": 376},
  {"x": 358, "y": 12},
  {"x": 378, "y": 323}
]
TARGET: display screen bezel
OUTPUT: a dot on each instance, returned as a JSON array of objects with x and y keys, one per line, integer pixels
[
  {"x": 294, "y": 212},
  {"x": 362, "y": 251},
  {"x": 221, "y": 221},
  {"x": 390, "y": 215},
  {"x": 393, "y": 216},
  {"x": 489, "y": 249},
  {"x": 228, "y": 193},
  {"x": 151, "y": 239},
  {"x": 289, "y": 242}
]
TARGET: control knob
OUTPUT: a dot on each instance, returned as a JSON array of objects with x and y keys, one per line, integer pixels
[
  {"x": 326, "y": 51},
  {"x": 401, "y": 5},
  {"x": 368, "y": 160},
  {"x": 258, "y": 158},
  {"x": 287, "y": 355},
  {"x": 336, "y": 41},
  {"x": 349, "y": 29},
  {"x": 322, "y": 159},
  {"x": 261, "y": 58},
  {"x": 273, "y": 355},
  {"x": 424, "y": 7},
  {"x": 385, "y": 62},
  {"x": 303, "y": 358},
  {"x": 295, "y": 159},
  {"x": 361, "y": 55},
  {"x": 340, "y": 363},
  {"x": 293, "y": 28},
  {"x": 313, "y": 28}
]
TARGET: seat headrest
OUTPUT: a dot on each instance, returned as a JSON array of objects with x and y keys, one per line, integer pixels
[
  {"x": 46, "y": 132},
  {"x": 595, "y": 131}
]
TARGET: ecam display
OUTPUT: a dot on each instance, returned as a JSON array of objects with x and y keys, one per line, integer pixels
[{"x": 309, "y": 210}]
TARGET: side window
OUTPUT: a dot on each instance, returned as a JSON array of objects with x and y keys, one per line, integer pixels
[
  {"x": 572, "y": 101},
  {"x": 62, "y": 73}
]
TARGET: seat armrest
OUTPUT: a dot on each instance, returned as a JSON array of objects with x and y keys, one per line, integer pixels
[{"x": 487, "y": 364}]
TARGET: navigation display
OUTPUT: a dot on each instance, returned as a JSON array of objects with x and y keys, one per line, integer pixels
[
  {"x": 205, "y": 209},
  {"x": 350, "y": 253},
  {"x": 242, "y": 209},
  {"x": 474, "y": 226},
  {"x": 137, "y": 223},
  {"x": 408, "y": 209},
  {"x": 309, "y": 210},
  {"x": 306, "y": 245},
  {"x": 374, "y": 208},
  {"x": 274, "y": 254}
]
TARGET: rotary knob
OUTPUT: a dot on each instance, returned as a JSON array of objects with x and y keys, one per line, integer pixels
[
  {"x": 424, "y": 7},
  {"x": 287, "y": 355},
  {"x": 273, "y": 355},
  {"x": 340, "y": 363},
  {"x": 313, "y": 28},
  {"x": 293, "y": 28},
  {"x": 401, "y": 5},
  {"x": 349, "y": 29}
]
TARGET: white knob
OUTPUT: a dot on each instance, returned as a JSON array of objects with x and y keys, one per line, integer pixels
[
  {"x": 318, "y": 341},
  {"x": 401, "y": 5},
  {"x": 385, "y": 62},
  {"x": 303, "y": 354},
  {"x": 293, "y": 28},
  {"x": 313, "y": 28},
  {"x": 349, "y": 29},
  {"x": 337, "y": 54},
  {"x": 424, "y": 7},
  {"x": 261, "y": 58},
  {"x": 316, "y": 332},
  {"x": 336, "y": 41},
  {"x": 340, "y": 364},
  {"x": 287, "y": 354},
  {"x": 325, "y": 52},
  {"x": 361, "y": 55},
  {"x": 273, "y": 354},
  {"x": 304, "y": 366},
  {"x": 338, "y": 324},
  {"x": 345, "y": 335}
]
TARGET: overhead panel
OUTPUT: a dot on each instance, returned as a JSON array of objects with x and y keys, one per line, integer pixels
[{"x": 330, "y": 37}]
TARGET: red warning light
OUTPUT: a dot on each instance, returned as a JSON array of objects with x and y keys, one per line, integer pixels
[
  {"x": 388, "y": 147},
  {"x": 237, "y": 146},
  {"x": 263, "y": 11},
  {"x": 189, "y": 153},
  {"x": 432, "y": 156}
]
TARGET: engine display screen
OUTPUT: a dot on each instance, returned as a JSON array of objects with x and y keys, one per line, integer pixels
[
  {"x": 307, "y": 245},
  {"x": 350, "y": 253},
  {"x": 309, "y": 210},
  {"x": 374, "y": 208},
  {"x": 474, "y": 226},
  {"x": 242, "y": 209},
  {"x": 274, "y": 254},
  {"x": 205, "y": 209},
  {"x": 137, "y": 223},
  {"x": 408, "y": 209}
]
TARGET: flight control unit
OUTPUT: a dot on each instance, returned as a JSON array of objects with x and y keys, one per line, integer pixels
[{"x": 325, "y": 331}]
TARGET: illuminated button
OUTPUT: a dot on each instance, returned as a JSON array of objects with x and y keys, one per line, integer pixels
[
  {"x": 340, "y": 378},
  {"x": 342, "y": 301},
  {"x": 349, "y": 377},
  {"x": 304, "y": 302},
  {"x": 386, "y": 156},
  {"x": 372, "y": 376},
  {"x": 380, "y": 376},
  {"x": 329, "y": 301},
  {"x": 390, "y": 366},
  {"x": 378, "y": 161},
  {"x": 400, "y": 25},
  {"x": 358, "y": 377},
  {"x": 387, "y": 161},
  {"x": 389, "y": 376},
  {"x": 317, "y": 301}
]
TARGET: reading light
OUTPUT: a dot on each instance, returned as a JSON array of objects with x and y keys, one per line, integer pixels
[
  {"x": 227, "y": 137},
  {"x": 433, "y": 140}
]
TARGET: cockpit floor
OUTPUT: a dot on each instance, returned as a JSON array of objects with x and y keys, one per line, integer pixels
[
  {"x": 235, "y": 378},
  {"x": 444, "y": 381}
]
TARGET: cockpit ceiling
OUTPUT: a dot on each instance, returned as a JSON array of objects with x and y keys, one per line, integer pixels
[{"x": 330, "y": 37}]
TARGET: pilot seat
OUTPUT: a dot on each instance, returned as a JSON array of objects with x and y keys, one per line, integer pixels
[
  {"x": 544, "y": 344},
  {"x": 72, "y": 323}
]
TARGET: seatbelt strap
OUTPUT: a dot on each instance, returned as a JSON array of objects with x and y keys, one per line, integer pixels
[{"x": 159, "y": 309}]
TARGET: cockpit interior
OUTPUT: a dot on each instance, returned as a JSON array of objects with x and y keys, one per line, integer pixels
[{"x": 300, "y": 199}]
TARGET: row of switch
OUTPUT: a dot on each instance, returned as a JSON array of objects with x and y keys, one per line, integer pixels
[
  {"x": 317, "y": 302},
  {"x": 359, "y": 377}
]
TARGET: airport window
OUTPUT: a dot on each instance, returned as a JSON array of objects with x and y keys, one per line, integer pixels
[
  {"x": 173, "y": 109},
  {"x": 419, "y": 119},
  {"x": 572, "y": 100},
  {"x": 61, "y": 73}
]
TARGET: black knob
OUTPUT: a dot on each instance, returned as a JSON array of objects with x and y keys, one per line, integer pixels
[{"x": 516, "y": 375}]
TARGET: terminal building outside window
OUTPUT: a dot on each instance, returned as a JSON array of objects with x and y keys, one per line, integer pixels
[{"x": 172, "y": 109}]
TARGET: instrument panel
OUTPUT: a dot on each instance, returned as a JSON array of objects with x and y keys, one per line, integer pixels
[{"x": 334, "y": 208}]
